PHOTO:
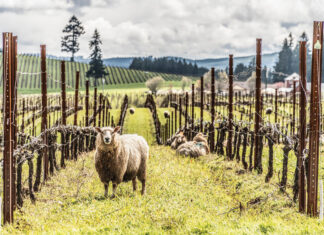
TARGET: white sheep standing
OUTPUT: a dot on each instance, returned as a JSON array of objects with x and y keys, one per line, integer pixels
[{"x": 120, "y": 158}]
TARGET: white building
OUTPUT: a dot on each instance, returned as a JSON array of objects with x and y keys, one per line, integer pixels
[{"x": 289, "y": 81}]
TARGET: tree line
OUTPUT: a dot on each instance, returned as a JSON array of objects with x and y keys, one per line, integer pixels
[{"x": 167, "y": 65}]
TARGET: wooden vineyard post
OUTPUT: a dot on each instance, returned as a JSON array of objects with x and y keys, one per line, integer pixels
[
  {"x": 212, "y": 111},
  {"x": 87, "y": 112},
  {"x": 230, "y": 109},
  {"x": 33, "y": 126},
  {"x": 294, "y": 107},
  {"x": 258, "y": 110},
  {"x": 44, "y": 109},
  {"x": 175, "y": 116},
  {"x": 302, "y": 126},
  {"x": 315, "y": 118},
  {"x": 14, "y": 115},
  {"x": 76, "y": 97},
  {"x": 169, "y": 127},
  {"x": 107, "y": 111},
  {"x": 103, "y": 112},
  {"x": 172, "y": 123},
  {"x": 201, "y": 103},
  {"x": 180, "y": 112},
  {"x": 276, "y": 106},
  {"x": 95, "y": 108},
  {"x": 9, "y": 130},
  {"x": 23, "y": 117},
  {"x": 99, "y": 109},
  {"x": 63, "y": 106},
  {"x": 186, "y": 112},
  {"x": 192, "y": 133}
]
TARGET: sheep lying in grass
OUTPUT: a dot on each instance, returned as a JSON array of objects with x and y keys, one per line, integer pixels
[
  {"x": 178, "y": 140},
  {"x": 120, "y": 158},
  {"x": 197, "y": 147}
]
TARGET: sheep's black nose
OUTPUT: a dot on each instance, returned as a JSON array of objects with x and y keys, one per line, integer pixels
[{"x": 107, "y": 139}]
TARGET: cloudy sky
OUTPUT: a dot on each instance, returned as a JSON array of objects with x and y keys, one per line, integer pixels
[{"x": 189, "y": 28}]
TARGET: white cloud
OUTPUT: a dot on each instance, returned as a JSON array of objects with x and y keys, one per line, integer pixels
[{"x": 190, "y": 28}]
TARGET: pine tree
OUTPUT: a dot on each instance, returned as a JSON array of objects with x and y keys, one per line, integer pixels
[
  {"x": 284, "y": 65},
  {"x": 97, "y": 69},
  {"x": 73, "y": 31}
]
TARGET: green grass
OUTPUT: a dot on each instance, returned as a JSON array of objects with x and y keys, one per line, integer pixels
[
  {"x": 184, "y": 196},
  {"x": 140, "y": 123}
]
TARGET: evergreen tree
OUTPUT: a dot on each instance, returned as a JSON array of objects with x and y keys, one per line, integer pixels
[
  {"x": 290, "y": 40},
  {"x": 195, "y": 70},
  {"x": 97, "y": 69},
  {"x": 73, "y": 31},
  {"x": 284, "y": 65}
]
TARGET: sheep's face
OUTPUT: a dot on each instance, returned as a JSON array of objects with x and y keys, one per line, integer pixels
[
  {"x": 107, "y": 134},
  {"x": 178, "y": 140}
]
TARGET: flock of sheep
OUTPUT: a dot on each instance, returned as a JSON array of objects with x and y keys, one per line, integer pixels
[{"x": 121, "y": 158}]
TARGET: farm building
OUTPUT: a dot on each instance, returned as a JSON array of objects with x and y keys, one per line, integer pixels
[{"x": 289, "y": 81}]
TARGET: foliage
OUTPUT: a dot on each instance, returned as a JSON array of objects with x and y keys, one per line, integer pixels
[
  {"x": 289, "y": 58},
  {"x": 73, "y": 30},
  {"x": 284, "y": 65},
  {"x": 167, "y": 65},
  {"x": 241, "y": 72},
  {"x": 154, "y": 84},
  {"x": 97, "y": 68}
]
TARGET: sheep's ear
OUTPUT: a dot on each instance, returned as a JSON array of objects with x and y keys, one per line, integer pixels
[
  {"x": 98, "y": 129},
  {"x": 117, "y": 128},
  {"x": 181, "y": 133}
]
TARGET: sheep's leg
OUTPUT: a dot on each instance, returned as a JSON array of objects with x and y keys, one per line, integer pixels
[
  {"x": 114, "y": 190},
  {"x": 134, "y": 184},
  {"x": 106, "y": 189},
  {"x": 143, "y": 187}
]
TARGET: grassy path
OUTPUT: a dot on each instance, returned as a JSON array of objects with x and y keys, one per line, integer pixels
[{"x": 141, "y": 123}]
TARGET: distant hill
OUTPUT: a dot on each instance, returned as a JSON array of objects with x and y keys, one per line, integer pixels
[
  {"x": 118, "y": 61},
  {"x": 268, "y": 60},
  {"x": 219, "y": 63}
]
